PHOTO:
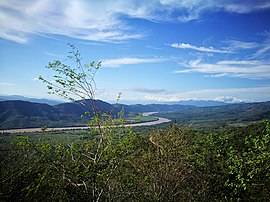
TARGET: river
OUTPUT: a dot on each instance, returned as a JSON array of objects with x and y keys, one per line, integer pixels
[{"x": 29, "y": 130}]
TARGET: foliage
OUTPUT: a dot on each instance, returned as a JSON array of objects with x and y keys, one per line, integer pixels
[
  {"x": 169, "y": 164},
  {"x": 164, "y": 170},
  {"x": 249, "y": 166},
  {"x": 236, "y": 162},
  {"x": 209, "y": 118},
  {"x": 70, "y": 82}
]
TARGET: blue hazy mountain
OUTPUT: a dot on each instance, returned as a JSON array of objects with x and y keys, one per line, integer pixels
[{"x": 23, "y": 98}]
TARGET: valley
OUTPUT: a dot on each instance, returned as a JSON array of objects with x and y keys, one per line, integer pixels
[
  {"x": 147, "y": 122},
  {"x": 17, "y": 114}
]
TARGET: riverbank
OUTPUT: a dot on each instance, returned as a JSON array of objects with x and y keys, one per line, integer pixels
[{"x": 32, "y": 130}]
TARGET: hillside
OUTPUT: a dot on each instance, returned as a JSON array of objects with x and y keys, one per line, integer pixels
[
  {"x": 221, "y": 116},
  {"x": 24, "y": 114},
  {"x": 139, "y": 108}
]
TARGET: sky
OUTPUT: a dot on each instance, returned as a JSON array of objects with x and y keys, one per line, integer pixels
[{"x": 152, "y": 51}]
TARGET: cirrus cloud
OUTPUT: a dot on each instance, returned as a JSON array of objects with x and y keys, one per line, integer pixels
[
  {"x": 229, "y": 95},
  {"x": 198, "y": 48},
  {"x": 104, "y": 20},
  {"x": 117, "y": 62},
  {"x": 251, "y": 69},
  {"x": 7, "y": 84}
]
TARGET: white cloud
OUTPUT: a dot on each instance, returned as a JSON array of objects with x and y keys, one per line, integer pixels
[
  {"x": 240, "y": 62},
  {"x": 227, "y": 5},
  {"x": 152, "y": 47},
  {"x": 260, "y": 49},
  {"x": 264, "y": 49},
  {"x": 147, "y": 90},
  {"x": 7, "y": 84},
  {"x": 229, "y": 95},
  {"x": 165, "y": 95},
  {"x": 243, "y": 69},
  {"x": 216, "y": 75},
  {"x": 226, "y": 99},
  {"x": 198, "y": 48},
  {"x": 190, "y": 16},
  {"x": 255, "y": 49},
  {"x": 194, "y": 9},
  {"x": 236, "y": 44},
  {"x": 246, "y": 6},
  {"x": 103, "y": 20},
  {"x": 161, "y": 98},
  {"x": 89, "y": 20},
  {"x": 230, "y": 99},
  {"x": 117, "y": 62},
  {"x": 54, "y": 54}
]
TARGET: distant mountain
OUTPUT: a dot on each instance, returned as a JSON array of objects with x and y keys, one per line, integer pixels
[
  {"x": 157, "y": 107},
  {"x": 24, "y": 114},
  {"x": 23, "y": 98},
  {"x": 141, "y": 107},
  {"x": 222, "y": 116},
  {"x": 202, "y": 103}
]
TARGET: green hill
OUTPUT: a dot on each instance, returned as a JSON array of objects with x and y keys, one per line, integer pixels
[
  {"x": 221, "y": 116},
  {"x": 24, "y": 114}
]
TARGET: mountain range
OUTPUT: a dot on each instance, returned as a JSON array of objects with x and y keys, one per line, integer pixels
[
  {"x": 25, "y": 114},
  {"x": 202, "y": 103},
  {"x": 221, "y": 116},
  {"x": 23, "y": 98},
  {"x": 197, "y": 103}
]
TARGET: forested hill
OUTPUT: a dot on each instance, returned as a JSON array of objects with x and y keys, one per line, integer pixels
[
  {"x": 139, "y": 108},
  {"x": 24, "y": 114},
  {"x": 221, "y": 116}
]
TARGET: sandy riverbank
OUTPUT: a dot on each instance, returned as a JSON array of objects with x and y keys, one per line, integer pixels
[{"x": 29, "y": 130}]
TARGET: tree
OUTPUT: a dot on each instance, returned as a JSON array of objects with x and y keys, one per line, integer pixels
[
  {"x": 97, "y": 159},
  {"x": 43, "y": 129},
  {"x": 88, "y": 169},
  {"x": 235, "y": 163},
  {"x": 73, "y": 83}
]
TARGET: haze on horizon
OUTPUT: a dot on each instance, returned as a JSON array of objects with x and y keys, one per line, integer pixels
[{"x": 151, "y": 51}]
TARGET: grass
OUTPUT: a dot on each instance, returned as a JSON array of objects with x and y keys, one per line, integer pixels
[{"x": 133, "y": 120}]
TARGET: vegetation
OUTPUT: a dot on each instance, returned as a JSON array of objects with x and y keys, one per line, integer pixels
[
  {"x": 210, "y": 118},
  {"x": 139, "y": 119},
  {"x": 109, "y": 163},
  {"x": 22, "y": 114},
  {"x": 170, "y": 164}
]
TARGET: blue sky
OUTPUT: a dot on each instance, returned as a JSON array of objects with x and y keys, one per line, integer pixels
[{"x": 151, "y": 51}]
